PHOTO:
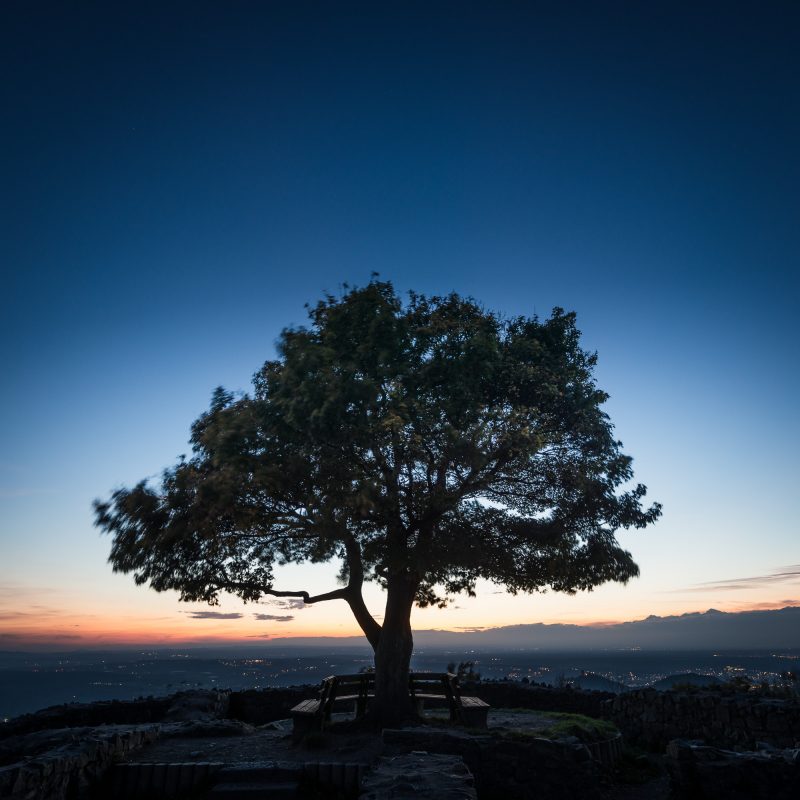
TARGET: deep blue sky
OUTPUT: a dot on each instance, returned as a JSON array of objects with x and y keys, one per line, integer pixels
[{"x": 177, "y": 182}]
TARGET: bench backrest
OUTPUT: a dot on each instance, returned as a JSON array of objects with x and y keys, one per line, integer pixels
[
  {"x": 335, "y": 686},
  {"x": 436, "y": 683},
  {"x": 443, "y": 684}
]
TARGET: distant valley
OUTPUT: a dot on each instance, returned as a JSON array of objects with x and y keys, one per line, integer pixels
[{"x": 657, "y": 651}]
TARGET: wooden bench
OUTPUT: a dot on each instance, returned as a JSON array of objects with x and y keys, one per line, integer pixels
[
  {"x": 443, "y": 688},
  {"x": 469, "y": 711}
]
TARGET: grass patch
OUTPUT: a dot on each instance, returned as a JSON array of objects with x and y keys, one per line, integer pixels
[
  {"x": 549, "y": 725},
  {"x": 587, "y": 729}
]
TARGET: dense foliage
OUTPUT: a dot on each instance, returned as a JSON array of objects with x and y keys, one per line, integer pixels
[{"x": 425, "y": 444}]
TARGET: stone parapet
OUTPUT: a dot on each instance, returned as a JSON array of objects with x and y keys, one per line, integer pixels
[
  {"x": 652, "y": 718},
  {"x": 67, "y": 763}
]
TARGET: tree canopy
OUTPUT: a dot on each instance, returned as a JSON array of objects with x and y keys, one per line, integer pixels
[{"x": 426, "y": 444}]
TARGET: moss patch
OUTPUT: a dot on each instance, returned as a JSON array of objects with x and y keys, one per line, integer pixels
[
  {"x": 586, "y": 729},
  {"x": 523, "y": 723}
]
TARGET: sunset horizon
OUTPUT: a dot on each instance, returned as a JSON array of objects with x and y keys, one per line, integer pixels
[{"x": 235, "y": 629}]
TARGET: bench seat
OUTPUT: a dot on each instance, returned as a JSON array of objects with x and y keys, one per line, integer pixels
[{"x": 306, "y": 707}]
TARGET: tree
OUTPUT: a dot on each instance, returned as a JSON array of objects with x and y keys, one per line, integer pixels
[
  {"x": 465, "y": 671},
  {"x": 425, "y": 444}
]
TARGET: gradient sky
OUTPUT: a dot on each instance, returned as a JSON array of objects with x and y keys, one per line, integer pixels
[{"x": 177, "y": 182}]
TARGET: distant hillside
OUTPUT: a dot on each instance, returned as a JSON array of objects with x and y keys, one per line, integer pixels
[
  {"x": 589, "y": 681},
  {"x": 712, "y": 629},
  {"x": 686, "y": 679}
]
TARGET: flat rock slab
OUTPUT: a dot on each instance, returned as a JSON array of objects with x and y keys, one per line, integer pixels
[
  {"x": 260, "y": 744},
  {"x": 419, "y": 776},
  {"x": 520, "y": 720}
]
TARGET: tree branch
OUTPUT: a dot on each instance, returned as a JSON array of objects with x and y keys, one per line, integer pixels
[{"x": 336, "y": 594}]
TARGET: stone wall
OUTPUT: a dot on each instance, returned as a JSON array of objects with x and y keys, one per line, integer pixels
[
  {"x": 73, "y": 715},
  {"x": 50, "y": 755},
  {"x": 255, "y": 706},
  {"x": 259, "y": 706},
  {"x": 167, "y": 780},
  {"x": 198, "y": 704},
  {"x": 67, "y": 763},
  {"x": 651, "y": 719},
  {"x": 140, "y": 781},
  {"x": 708, "y": 773}
]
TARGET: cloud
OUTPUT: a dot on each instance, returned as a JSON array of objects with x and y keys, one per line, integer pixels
[
  {"x": 38, "y": 637},
  {"x": 788, "y": 574},
  {"x": 274, "y": 617},
  {"x": 213, "y": 615},
  {"x": 289, "y": 603},
  {"x": 471, "y": 629},
  {"x": 765, "y": 606},
  {"x": 37, "y": 612}
]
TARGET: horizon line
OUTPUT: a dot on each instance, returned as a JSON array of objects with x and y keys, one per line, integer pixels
[{"x": 12, "y": 642}]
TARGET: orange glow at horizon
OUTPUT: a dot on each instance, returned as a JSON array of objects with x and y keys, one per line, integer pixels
[{"x": 63, "y": 630}]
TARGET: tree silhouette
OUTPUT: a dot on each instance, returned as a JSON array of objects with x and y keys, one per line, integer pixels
[{"x": 425, "y": 444}]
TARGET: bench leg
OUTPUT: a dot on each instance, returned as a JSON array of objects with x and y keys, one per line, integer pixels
[{"x": 475, "y": 717}]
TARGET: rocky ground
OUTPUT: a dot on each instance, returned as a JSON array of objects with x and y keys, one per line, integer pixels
[
  {"x": 230, "y": 741},
  {"x": 523, "y": 754}
]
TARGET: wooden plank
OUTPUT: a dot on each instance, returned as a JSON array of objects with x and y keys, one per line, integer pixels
[
  {"x": 306, "y": 707},
  {"x": 473, "y": 702}
]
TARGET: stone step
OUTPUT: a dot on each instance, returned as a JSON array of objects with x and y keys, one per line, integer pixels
[
  {"x": 255, "y": 790},
  {"x": 256, "y": 772}
]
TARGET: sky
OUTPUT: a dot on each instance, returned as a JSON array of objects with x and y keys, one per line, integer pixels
[{"x": 179, "y": 179}]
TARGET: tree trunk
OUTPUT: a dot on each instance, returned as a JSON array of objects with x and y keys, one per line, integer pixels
[{"x": 392, "y": 703}]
